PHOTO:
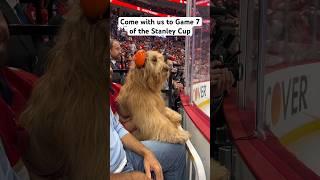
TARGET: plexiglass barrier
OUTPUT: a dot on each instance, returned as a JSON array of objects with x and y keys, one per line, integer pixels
[
  {"x": 198, "y": 58},
  {"x": 280, "y": 50},
  {"x": 291, "y": 72}
]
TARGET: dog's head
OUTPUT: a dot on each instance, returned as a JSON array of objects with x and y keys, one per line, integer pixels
[
  {"x": 154, "y": 72},
  {"x": 156, "y": 67}
]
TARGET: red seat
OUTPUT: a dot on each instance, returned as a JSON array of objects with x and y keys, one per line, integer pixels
[
  {"x": 14, "y": 137},
  {"x": 115, "y": 90},
  {"x": 21, "y": 80}
]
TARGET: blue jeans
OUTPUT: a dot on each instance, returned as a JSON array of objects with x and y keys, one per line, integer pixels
[
  {"x": 6, "y": 171},
  {"x": 172, "y": 158}
]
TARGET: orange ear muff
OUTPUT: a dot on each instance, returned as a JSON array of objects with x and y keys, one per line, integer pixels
[
  {"x": 93, "y": 9},
  {"x": 140, "y": 58}
]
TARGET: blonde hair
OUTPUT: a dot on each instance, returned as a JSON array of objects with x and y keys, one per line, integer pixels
[{"x": 67, "y": 113}]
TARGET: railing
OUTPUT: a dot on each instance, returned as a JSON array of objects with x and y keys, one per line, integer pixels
[{"x": 194, "y": 163}]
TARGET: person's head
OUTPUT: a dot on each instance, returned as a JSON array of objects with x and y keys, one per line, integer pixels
[
  {"x": 4, "y": 37},
  {"x": 131, "y": 62},
  {"x": 68, "y": 106},
  {"x": 115, "y": 49}
]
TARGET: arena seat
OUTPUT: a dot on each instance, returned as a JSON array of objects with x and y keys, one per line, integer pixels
[
  {"x": 114, "y": 92},
  {"x": 14, "y": 137},
  {"x": 194, "y": 162},
  {"x": 21, "y": 80}
]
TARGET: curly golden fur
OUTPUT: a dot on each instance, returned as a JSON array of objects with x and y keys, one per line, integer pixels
[
  {"x": 67, "y": 114},
  {"x": 140, "y": 98}
]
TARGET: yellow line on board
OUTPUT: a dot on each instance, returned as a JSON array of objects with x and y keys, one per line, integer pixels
[
  {"x": 204, "y": 103},
  {"x": 300, "y": 132}
]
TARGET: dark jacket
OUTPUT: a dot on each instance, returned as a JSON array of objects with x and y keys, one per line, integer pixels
[{"x": 116, "y": 76}]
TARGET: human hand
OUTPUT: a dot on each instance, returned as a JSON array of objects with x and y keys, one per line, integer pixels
[
  {"x": 222, "y": 79},
  {"x": 129, "y": 176},
  {"x": 228, "y": 79},
  {"x": 178, "y": 86},
  {"x": 152, "y": 164},
  {"x": 140, "y": 175}
]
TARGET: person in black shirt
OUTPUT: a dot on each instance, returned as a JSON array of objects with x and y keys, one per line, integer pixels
[{"x": 115, "y": 57}]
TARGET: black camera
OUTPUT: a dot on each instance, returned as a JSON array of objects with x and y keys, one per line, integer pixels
[{"x": 178, "y": 75}]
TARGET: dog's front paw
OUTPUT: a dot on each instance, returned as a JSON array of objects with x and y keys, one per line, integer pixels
[
  {"x": 173, "y": 116},
  {"x": 176, "y": 117},
  {"x": 181, "y": 137}
]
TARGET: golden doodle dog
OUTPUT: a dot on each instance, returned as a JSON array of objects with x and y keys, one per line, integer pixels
[{"x": 140, "y": 98}]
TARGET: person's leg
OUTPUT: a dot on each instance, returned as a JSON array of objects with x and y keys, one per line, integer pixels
[
  {"x": 172, "y": 158},
  {"x": 128, "y": 167}
]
